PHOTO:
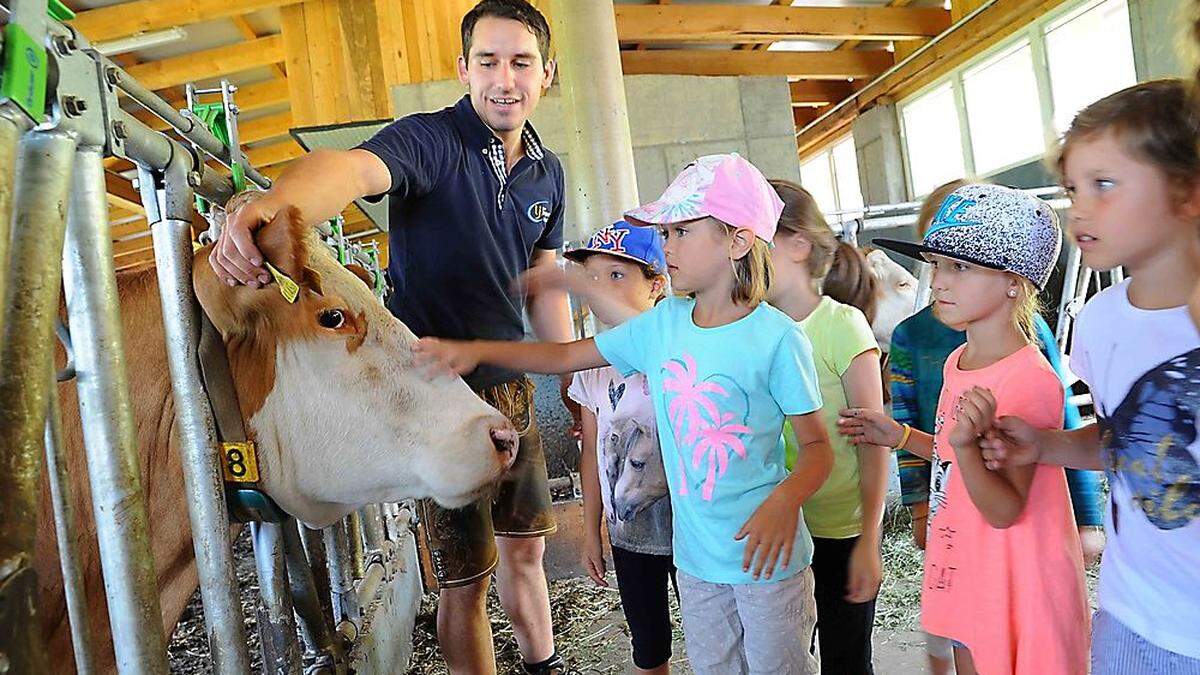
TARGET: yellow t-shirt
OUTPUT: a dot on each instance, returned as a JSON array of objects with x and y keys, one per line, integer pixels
[{"x": 838, "y": 334}]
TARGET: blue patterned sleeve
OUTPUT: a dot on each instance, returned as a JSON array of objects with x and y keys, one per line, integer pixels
[{"x": 914, "y": 471}]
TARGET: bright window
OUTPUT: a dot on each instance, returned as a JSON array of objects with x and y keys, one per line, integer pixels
[
  {"x": 934, "y": 140},
  {"x": 832, "y": 179},
  {"x": 845, "y": 173},
  {"x": 816, "y": 175},
  {"x": 1090, "y": 54},
  {"x": 1003, "y": 111}
]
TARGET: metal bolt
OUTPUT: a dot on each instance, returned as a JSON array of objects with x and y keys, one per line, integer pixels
[
  {"x": 112, "y": 75},
  {"x": 234, "y": 110},
  {"x": 74, "y": 106},
  {"x": 193, "y": 179},
  {"x": 232, "y": 88},
  {"x": 63, "y": 45},
  {"x": 119, "y": 130}
]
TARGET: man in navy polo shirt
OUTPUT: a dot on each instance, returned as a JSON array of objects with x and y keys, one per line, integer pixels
[{"x": 474, "y": 201}]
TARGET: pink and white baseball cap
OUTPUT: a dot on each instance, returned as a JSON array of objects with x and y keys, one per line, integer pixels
[{"x": 726, "y": 187}]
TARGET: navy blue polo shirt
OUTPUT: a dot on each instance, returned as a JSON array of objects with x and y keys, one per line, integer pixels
[{"x": 461, "y": 228}]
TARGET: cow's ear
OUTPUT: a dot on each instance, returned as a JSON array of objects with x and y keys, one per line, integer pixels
[
  {"x": 286, "y": 243},
  {"x": 362, "y": 273}
]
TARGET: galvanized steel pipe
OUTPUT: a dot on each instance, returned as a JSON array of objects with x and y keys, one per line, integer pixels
[
  {"x": 313, "y": 622},
  {"x": 106, "y": 412},
  {"x": 169, "y": 213},
  {"x": 276, "y": 624},
  {"x": 65, "y": 531},
  {"x": 29, "y": 306}
]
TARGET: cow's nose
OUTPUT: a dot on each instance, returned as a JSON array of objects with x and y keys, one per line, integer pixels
[{"x": 505, "y": 440}]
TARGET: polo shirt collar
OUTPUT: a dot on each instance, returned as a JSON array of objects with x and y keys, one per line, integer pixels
[{"x": 482, "y": 137}]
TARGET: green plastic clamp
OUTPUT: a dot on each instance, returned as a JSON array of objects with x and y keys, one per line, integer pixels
[
  {"x": 212, "y": 115},
  {"x": 58, "y": 11},
  {"x": 23, "y": 79}
]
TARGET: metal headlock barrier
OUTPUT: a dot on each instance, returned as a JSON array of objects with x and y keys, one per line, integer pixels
[{"x": 327, "y": 596}]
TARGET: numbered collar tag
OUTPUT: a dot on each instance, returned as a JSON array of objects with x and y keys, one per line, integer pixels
[
  {"x": 287, "y": 288},
  {"x": 239, "y": 462}
]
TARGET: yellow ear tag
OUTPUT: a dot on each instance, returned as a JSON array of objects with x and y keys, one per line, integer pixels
[
  {"x": 287, "y": 288},
  {"x": 196, "y": 246}
]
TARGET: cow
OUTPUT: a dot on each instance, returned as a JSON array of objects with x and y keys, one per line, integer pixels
[
  {"x": 895, "y": 295},
  {"x": 326, "y": 386}
]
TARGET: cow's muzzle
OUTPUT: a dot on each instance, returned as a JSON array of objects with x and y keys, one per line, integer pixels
[{"x": 505, "y": 440}]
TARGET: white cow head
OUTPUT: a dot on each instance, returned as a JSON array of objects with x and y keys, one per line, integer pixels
[
  {"x": 327, "y": 385},
  {"x": 895, "y": 295}
]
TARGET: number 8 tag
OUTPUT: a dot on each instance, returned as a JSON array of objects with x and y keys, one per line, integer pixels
[{"x": 239, "y": 463}]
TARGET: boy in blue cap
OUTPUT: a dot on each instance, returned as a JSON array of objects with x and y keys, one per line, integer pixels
[{"x": 621, "y": 272}]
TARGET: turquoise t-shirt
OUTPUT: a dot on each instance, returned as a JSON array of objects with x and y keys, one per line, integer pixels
[{"x": 720, "y": 399}]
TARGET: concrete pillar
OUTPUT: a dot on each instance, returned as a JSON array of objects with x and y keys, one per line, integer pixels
[
  {"x": 601, "y": 181},
  {"x": 880, "y": 160},
  {"x": 1158, "y": 28}
]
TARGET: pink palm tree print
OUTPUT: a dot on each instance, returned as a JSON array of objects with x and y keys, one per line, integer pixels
[{"x": 697, "y": 421}]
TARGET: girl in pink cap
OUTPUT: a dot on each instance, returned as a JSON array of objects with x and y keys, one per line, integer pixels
[{"x": 725, "y": 371}]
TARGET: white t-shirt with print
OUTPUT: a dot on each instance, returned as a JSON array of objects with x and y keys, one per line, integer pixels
[
  {"x": 633, "y": 485},
  {"x": 1143, "y": 368}
]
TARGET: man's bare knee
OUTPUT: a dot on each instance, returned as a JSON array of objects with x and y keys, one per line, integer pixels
[
  {"x": 470, "y": 596},
  {"x": 521, "y": 553}
]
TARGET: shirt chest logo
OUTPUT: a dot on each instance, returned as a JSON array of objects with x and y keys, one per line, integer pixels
[{"x": 539, "y": 211}]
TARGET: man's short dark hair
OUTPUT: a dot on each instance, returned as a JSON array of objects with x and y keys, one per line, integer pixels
[{"x": 517, "y": 10}]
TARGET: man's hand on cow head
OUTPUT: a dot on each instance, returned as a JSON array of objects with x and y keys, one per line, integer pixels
[
  {"x": 444, "y": 358},
  {"x": 235, "y": 257}
]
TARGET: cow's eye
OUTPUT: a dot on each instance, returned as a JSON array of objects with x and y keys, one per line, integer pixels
[
  {"x": 637, "y": 465},
  {"x": 332, "y": 319}
]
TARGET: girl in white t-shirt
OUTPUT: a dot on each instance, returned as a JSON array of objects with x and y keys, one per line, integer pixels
[{"x": 621, "y": 273}]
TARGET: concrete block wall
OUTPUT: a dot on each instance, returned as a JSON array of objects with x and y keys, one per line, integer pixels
[{"x": 672, "y": 119}]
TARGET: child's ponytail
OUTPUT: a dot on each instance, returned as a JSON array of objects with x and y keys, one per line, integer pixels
[{"x": 850, "y": 280}]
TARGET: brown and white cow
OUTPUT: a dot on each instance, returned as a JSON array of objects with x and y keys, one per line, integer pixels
[{"x": 326, "y": 385}]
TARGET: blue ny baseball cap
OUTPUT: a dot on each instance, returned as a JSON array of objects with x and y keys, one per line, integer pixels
[
  {"x": 640, "y": 244},
  {"x": 992, "y": 226}
]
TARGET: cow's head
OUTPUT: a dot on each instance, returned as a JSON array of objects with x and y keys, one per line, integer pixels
[
  {"x": 895, "y": 295},
  {"x": 330, "y": 394}
]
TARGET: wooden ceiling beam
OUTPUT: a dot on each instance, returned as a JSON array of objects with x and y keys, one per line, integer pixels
[
  {"x": 209, "y": 63},
  {"x": 122, "y": 194},
  {"x": 262, "y": 128},
  {"x": 129, "y": 18},
  {"x": 276, "y": 153},
  {"x": 741, "y": 24},
  {"x": 808, "y": 92},
  {"x": 243, "y": 26},
  {"x": 809, "y": 65}
]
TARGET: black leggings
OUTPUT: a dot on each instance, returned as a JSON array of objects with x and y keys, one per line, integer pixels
[
  {"x": 642, "y": 579},
  {"x": 843, "y": 628}
]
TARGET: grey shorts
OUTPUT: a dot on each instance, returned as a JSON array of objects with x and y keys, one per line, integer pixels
[
  {"x": 1117, "y": 650},
  {"x": 730, "y": 629}
]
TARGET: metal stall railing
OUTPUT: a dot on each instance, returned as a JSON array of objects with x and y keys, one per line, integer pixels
[{"x": 53, "y": 225}]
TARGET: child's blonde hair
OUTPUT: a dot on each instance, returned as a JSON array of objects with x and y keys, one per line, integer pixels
[
  {"x": 752, "y": 272},
  {"x": 1026, "y": 309}
]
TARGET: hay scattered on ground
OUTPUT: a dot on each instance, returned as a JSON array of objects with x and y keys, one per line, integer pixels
[{"x": 187, "y": 651}]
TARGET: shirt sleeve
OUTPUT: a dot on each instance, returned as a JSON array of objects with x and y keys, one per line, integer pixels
[
  {"x": 793, "y": 377},
  {"x": 578, "y": 391},
  {"x": 416, "y": 150},
  {"x": 914, "y": 471},
  {"x": 552, "y": 235},
  {"x": 1079, "y": 363},
  {"x": 625, "y": 346},
  {"x": 854, "y": 337}
]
